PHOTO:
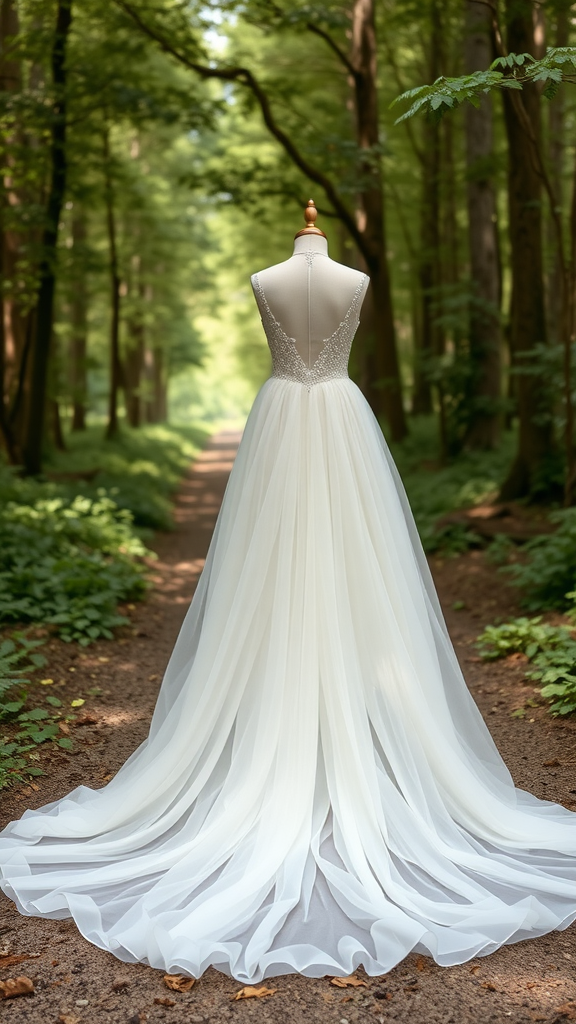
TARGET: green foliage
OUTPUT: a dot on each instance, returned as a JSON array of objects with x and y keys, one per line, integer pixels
[
  {"x": 527, "y": 636},
  {"x": 68, "y": 564},
  {"x": 559, "y": 65},
  {"x": 434, "y": 489},
  {"x": 67, "y": 559},
  {"x": 548, "y": 572},
  {"x": 140, "y": 470},
  {"x": 18, "y": 659},
  {"x": 551, "y": 649}
]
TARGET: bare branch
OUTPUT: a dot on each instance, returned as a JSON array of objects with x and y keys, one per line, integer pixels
[{"x": 245, "y": 77}]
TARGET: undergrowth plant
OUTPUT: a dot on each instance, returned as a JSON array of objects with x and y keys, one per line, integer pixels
[
  {"x": 69, "y": 563},
  {"x": 551, "y": 651},
  {"x": 547, "y": 572},
  {"x": 71, "y": 546},
  {"x": 18, "y": 659},
  {"x": 434, "y": 488}
]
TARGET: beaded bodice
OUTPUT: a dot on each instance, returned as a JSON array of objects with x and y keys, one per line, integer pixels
[{"x": 332, "y": 362}]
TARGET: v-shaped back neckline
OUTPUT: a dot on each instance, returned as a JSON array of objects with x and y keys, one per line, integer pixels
[{"x": 326, "y": 342}]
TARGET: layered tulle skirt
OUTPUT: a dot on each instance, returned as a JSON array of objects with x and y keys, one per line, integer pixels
[{"x": 318, "y": 789}]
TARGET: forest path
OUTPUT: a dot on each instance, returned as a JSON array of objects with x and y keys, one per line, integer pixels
[{"x": 76, "y": 983}]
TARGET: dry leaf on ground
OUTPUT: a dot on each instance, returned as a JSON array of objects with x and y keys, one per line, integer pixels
[
  {"x": 16, "y": 987},
  {"x": 567, "y": 1010},
  {"x": 16, "y": 958},
  {"x": 164, "y": 1001},
  {"x": 489, "y": 986},
  {"x": 178, "y": 982},
  {"x": 254, "y": 992},
  {"x": 351, "y": 982}
]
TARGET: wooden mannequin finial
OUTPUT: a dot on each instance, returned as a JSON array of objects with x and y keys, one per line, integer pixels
[{"x": 310, "y": 214}]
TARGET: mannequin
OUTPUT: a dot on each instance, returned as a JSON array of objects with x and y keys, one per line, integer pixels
[{"x": 309, "y": 294}]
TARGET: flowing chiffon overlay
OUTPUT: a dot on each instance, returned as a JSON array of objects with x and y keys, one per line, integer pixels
[{"x": 318, "y": 790}]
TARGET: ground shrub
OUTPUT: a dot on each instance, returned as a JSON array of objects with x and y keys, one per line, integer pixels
[
  {"x": 551, "y": 651},
  {"x": 547, "y": 572},
  {"x": 69, "y": 564},
  {"x": 71, "y": 549},
  {"x": 434, "y": 489}
]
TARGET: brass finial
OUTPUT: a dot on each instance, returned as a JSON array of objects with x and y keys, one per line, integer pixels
[{"x": 310, "y": 214}]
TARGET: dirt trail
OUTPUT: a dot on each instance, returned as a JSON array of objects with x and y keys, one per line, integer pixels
[{"x": 75, "y": 983}]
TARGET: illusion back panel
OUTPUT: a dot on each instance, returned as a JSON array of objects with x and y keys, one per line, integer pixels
[{"x": 309, "y": 295}]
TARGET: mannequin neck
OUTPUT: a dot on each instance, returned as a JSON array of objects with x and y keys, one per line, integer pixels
[{"x": 311, "y": 243}]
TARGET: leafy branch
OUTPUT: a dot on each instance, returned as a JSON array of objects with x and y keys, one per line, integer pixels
[{"x": 512, "y": 71}]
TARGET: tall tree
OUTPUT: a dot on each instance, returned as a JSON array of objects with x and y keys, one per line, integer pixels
[
  {"x": 485, "y": 333},
  {"x": 530, "y": 468},
  {"x": 44, "y": 309},
  {"x": 429, "y": 270},
  {"x": 116, "y": 376},
  {"x": 79, "y": 323}
]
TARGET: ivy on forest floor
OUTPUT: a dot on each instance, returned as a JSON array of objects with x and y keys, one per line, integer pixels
[
  {"x": 551, "y": 650},
  {"x": 23, "y": 728}
]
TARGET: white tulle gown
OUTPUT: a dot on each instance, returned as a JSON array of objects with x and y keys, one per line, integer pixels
[{"x": 318, "y": 790}]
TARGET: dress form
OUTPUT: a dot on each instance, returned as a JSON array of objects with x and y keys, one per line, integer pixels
[{"x": 309, "y": 293}]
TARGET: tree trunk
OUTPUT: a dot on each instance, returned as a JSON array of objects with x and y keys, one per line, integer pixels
[
  {"x": 134, "y": 347},
  {"x": 133, "y": 365},
  {"x": 484, "y": 316},
  {"x": 57, "y": 431},
  {"x": 556, "y": 151},
  {"x": 386, "y": 389},
  {"x": 429, "y": 270},
  {"x": 115, "y": 364},
  {"x": 79, "y": 318},
  {"x": 43, "y": 319},
  {"x": 9, "y": 82},
  {"x": 529, "y": 472}
]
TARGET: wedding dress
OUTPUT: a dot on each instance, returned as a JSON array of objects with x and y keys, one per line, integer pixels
[{"x": 318, "y": 789}]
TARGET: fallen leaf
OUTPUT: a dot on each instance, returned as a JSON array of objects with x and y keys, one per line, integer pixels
[
  {"x": 475, "y": 968},
  {"x": 254, "y": 992},
  {"x": 346, "y": 999},
  {"x": 87, "y": 719},
  {"x": 16, "y": 958},
  {"x": 64, "y": 727},
  {"x": 554, "y": 763},
  {"x": 489, "y": 986},
  {"x": 178, "y": 982},
  {"x": 567, "y": 1010},
  {"x": 77, "y": 703},
  {"x": 46, "y": 682},
  {"x": 103, "y": 659},
  {"x": 16, "y": 987},
  {"x": 351, "y": 982},
  {"x": 165, "y": 1001}
]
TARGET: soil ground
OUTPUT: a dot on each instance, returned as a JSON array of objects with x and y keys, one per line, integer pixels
[{"x": 76, "y": 983}]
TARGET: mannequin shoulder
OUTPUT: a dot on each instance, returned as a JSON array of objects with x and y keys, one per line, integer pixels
[{"x": 269, "y": 273}]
